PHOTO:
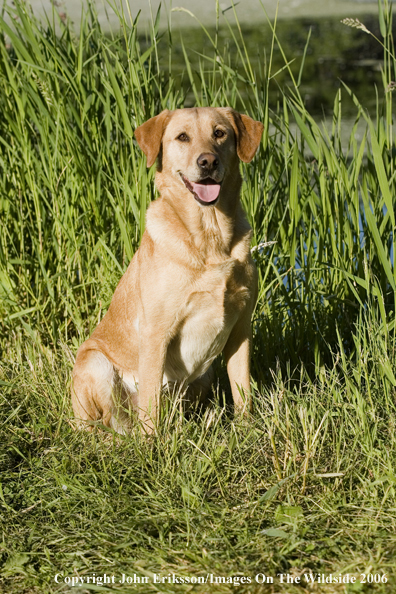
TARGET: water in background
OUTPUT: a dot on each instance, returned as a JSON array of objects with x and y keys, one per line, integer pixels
[
  {"x": 248, "y": 11},
  {"x": 335, "y": 53}
]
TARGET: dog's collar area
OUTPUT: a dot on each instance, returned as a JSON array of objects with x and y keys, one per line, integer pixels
[{"x": 206, "y": 191}]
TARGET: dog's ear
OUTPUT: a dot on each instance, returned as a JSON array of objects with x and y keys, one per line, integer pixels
[
  {"x": 149, "y": 135},
  {"x": 248, "y": 133}
]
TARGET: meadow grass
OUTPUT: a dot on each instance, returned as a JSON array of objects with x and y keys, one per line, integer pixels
[{"x": 307, "y": 483}]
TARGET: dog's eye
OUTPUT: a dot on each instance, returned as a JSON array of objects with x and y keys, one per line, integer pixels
[
  {"x": 183, "y": 137},
  {"x": 219, "y": 133}
]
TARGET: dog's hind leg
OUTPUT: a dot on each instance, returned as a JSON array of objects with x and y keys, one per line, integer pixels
[{"x": 92, "y": 388}]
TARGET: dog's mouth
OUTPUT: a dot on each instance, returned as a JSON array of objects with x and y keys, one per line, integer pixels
[{"x": 206, "y": 191}]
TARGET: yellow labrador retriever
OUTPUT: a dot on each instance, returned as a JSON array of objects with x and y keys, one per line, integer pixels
[{"x": 189, "y": 291}]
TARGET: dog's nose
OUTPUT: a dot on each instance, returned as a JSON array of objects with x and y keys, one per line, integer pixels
[{"x": 207, "y": 161}]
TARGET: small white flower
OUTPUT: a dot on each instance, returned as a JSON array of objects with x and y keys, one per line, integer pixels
[{"x": 261, "y": 246}]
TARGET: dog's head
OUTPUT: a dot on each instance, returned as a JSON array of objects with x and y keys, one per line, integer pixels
[{"x": 199, "y": 148}]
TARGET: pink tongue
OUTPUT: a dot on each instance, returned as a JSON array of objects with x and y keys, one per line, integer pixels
[{"x": 206, "y": 192}]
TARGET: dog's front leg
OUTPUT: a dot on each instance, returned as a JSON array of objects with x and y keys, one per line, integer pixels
[
  {"x": 152, "y": 353},
  {"x": 237, "y": 355}
]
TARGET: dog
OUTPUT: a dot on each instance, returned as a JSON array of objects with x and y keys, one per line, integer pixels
[{"x": 190, "y": 289}]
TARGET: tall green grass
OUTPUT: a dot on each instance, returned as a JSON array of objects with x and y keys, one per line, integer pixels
[
  {"x": 309, "y": 481},
  {"x": 74, "y": 186}
]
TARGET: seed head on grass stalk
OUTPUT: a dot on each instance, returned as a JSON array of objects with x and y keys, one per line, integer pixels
[{"x": 355, "y": 23}]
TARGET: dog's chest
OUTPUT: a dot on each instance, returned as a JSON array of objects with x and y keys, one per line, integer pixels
[{"x": 211, "y": 309}]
